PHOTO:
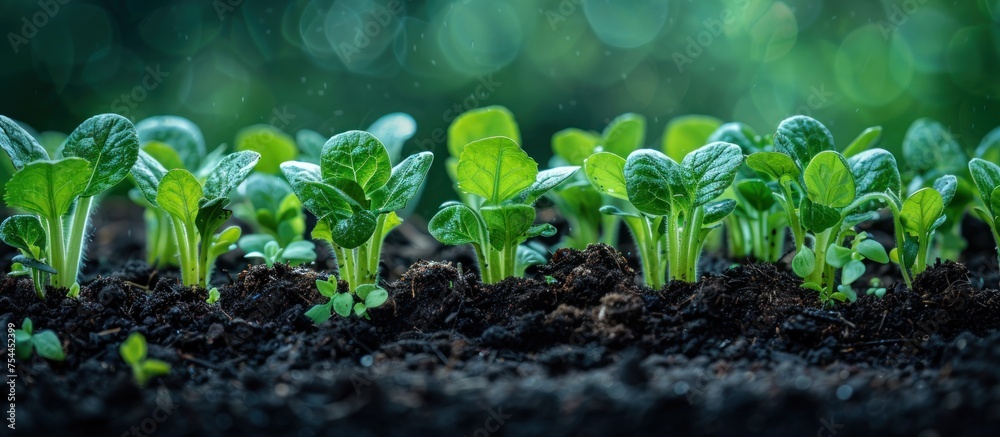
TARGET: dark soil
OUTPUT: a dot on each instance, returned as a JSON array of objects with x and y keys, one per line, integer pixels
[{"x": 582, "y": 351}]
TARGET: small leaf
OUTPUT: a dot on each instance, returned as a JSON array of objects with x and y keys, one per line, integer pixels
[
  {"x": 355, "y": 230},
  {"x": 495, "y": 169},
  {"x": 946, "y": 186},
  {"x": 271, "y": 144},
  {"x": 211, "y": 215},
  {"x": 804, "y": 262},
  {"x": 325, "y": 201},
  {"x": 864, "y": 141},
  {"x": 360, "y": 309},
  {"x": 326, "y": 288},
  {"x": 342, "y": 304},
  {"x": 920, "y": 211},
  {"x": 544, "y": 230},
  {"x": 624, "y": 134},
  {"x": 874, "y": 251},
  {"x": 110, "y": 144},
  {"x": 153, "y": 367},
  {"x": 319, "y": 314},
  {"x": 712, "y": 169},
  {"x": 507, "y": 224},
  {"x": 364, "y": 289},
  {"x": 816, "y": 217},
  {"x": 376, "y": 298},
  {"x": 802, "y": 138},
  {"x": 133, "y": 349},
  {"x": 47, "y": 345},
  {"x": 23, "y": 347},
  {"x": 718, "y": 210},
  {"x": 477, "y": 124},
  {"x": 48, "y": 188},
  {"x": 179, "y": 195},
  {"x": 454, "y": 225},
  {"x": 647, "y": 175},
  {"x": 393, "y": 130},
  {"x": 544, "y": 181},
  {"x": 180, "y": 133},
  {"x": 875, "y": 171},
  {"x": 403, "y": 183},
  {"x": 357, "y": 156},
  {"x": 230, "y": 173},
  {"x": 28, "y": 326},
  {"x": 739, "y": 134},
  {"x": 33, "y": 264},
  {"x": 846, "y": 293},
  {"x": 574, "y": 145},
  {"x": 928, "y": 145},
  {"x": 19, "y": 144},
  {"x": 23, "y": 232},
  {"x": 686, "y": 133},
  {"x": 606, "y": 172},
  {"x": 852, "y": 272},
  {"x": 773, "y": 164},
  {"x": 147, "y": 173},
  {"x": 614, "y": 210},
  {"x": 756, "y": 194},
  {"x": 838, "y": 256},
  {"x": 829, "y": 181}
]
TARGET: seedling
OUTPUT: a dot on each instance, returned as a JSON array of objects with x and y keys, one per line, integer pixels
[
  {"x": 354, "y": 194},
  {"x": 501, "y": 183},
  {"x": 920, "y": 215},
  {"x": 45, "y": 342},
  {"x": 849, "y": 259},
  {"x": 676, "y": 203},
  {"x": 213, "y": 296},
  {"x": 60, "y": 193},
  {"x": 369, "y": 296},
  {"x": 133, "y": 352},
  {"x": 275, "y": 214}
]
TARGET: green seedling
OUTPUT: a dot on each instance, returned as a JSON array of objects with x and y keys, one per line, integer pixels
[
  {"x": 920, "y": 215},
  {"x": 45, "y": 342},
  {"x": 849, "y": 259},
  {"x": 343, "y": 304},
  {"x": 133, "y": 352},
  {"x": 676, "y": 203},
  {"x": 501, "y": 183},
  {"x": 61, "y": 193},
  {"x": 275, "y": 214},
  {"x": 213, "y": 296},
  {"x": 354, "y": 194}
]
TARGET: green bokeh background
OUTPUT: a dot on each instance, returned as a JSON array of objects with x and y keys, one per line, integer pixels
[{"x": 227, "y": 64}]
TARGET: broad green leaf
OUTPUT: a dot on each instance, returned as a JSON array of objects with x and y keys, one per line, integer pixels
[
  {"x": 816, "y": 217},
  {"x": 403, "y": 183},
  {"x": 802, "y": 138},
  {"x": 496, "y": 169},
  {"x": 180, "y": 133},
  {"x": 342, "y": 304},
  {"x": 853, "y": 270},
  {"x": 111, "y": 146},
  {"x": 298, "y": 173},
  {"x": 544, "y": 181},
  {"x": 47, "y": 345},
  {"x": 230, "y": 173},
  {"x": 712, "y": 169},
  {"x": 477, "y": 124},
  {"x": 947, "y": 186},
  {"x": 355, "y": 230},
  {"x": 454, "y": 225},
  {"x": 773, "y": 164},
  {"x": 875, "y": 171},
  {"x": 718, "y": 210},
  {"x": 23, "y": 232},
  {"x": 686, "y": 133},
  {"x": 574, "y": 145},
  {"x": 756, "y": 194},
  {"x": 874, "y": 251},
  {"x": 20, "y": 146},
  {"x": 647, "y": 174},
  {"x": 986, "y": 175},
  {"x": 364, "y": 289},
  {"x": 864, "y": 141},
  {"x": 270, "y": 143},
  {"x": 376, "y": 298},
  {"x": 324, "y": 201},
  {"x": 179, "y": 195},
  {"x": 929, "y": 146},
  {"x": 507, "y": 224},
  {"x": 828, "y": 180},
  {"x": 739, "y": 134},
  {"x": 133, "y": 349},
  {"x": 838, "y": 256},
  {"x": 321, "y": 313},
  {"x": 354, "y": 194},
  {"x": 393, "y": 130},
  {"x": 920, "y": 211},
  {"x": 625, "y": 134},
  {"x": 48, "y": 188},
  {"x": 147, "y": 173},
  {"x": 357, "y": 156},
  {"x": 804, "y": 262},
  {"x": 211, "y": 215},
  {"x": 606, "y": 171}
]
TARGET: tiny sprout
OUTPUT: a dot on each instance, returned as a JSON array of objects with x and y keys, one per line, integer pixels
[
  {"x": 133, "y": 352},
  {"x": 26, "y": 341}
]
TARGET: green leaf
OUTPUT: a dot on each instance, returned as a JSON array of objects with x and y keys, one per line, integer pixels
[
  {"x": 864, "y": 141},
  {"x": 983, "y": 215},
  {"x": 624, "y": 134},
  {"x": 110, "y": 144},
  {"x": 213, "y": 296},
  {"x": 321, "y": 313},
  {"x": 828, "y": 180},
  {"x": 33, "y": 264},
  {"x": 326, "y": 288},
  {"x": 393, "y": 130},
  {"x": 342, "y": 304},
  {"x": 19, "y": 144},
  {"x": 357, "y": 156},
  {"x": 838, "y": 256},
  {"x": 364, "y": 290},
  {"x": 875, "y": 171},
  {"x": 816, "y": 217},
  {"x": 153, "y": 367},
  {"x": 929, "y": 146},
  {"x": 804, "y": 262},
  {"x": 454, "y": 225},
  {"x": 270, "y": 143},
  {"x": 133, "y": 349},
  {"x": 477, "y": 124},
  {"x": 147, "y": 173},
  {"x": 22, "y": 345},
  {"x": 23, "y": 232},
  {"x": 179, "y": 195},
  {"x": 544, "y": 230},
  {"x": 575, "y": 145},
  {"x": 496, "y": 169},
  {"x": 526, "y": 257},
  {"x": 544, "y": 181},
  {"x": 756, "y": 194},
  {"x": 376, "y": 298},
  {"x": 47, "y": 345},
  {"x": 773, "y": 164},
  {"x": 739, "y": 134},
  {"x": 718, "y": 210},
  {"x": 230, "y": 173},
  {"x": 180, "y": 133},
  {"x": 647, "y": 181},
  {"x": 507, "y": 224},
  {"x": 48, "y": 188},
  {"x": 853, "y": 270},
  {"x": 713, "y": 169},
  {"x": 403, "y": 183},
  {"x": 299, "y": 252},
  {"x": 986, "y": 175},
  {"x": 298, "y": 173},
  {"x": 802, "y": 138},
  {"x": 325, "y": 201},
  {"x": 211, "y": 215},
  {"x": 164, "y": 154},
  {"x": 355, "y": 230},
  {"x": 606, "y": 172},
  {"x": 686, "y": 133},
  {"x": 28, "y": 326},
  {"x": 947, "y": 186},
  {"x": 360, "y": 309},
  {"x": 874, "y": 251},
  {"x": 920, "y": 211}
]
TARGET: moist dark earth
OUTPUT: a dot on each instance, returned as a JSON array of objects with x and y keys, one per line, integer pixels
[{"x": 581, "y": 350}]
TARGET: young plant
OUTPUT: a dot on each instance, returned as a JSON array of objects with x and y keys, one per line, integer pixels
[
  {"x": 920, "y": 215},
  {"x": 275, "y": 214},
  {"x": 849, "y": 259},
  {"x": 501, "y": 183},
  {"x": 45, "y": 342},
  {"x": 61, "y": 193},
  {"x": 474, "y": 125},
  {"x": 25, "y": 233},
  {"x": 369, "y": 296},
  {"x": 196, "y": 210},
  {"x": 354, "y": 194},
  {"x": 133, "y": 352},
  {"x": 987, "y": 178},
  {"x": 675, "y": 203}
]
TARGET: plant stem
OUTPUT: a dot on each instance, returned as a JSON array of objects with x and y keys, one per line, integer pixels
[
  {"x": 56, "y": 251},
  {"x": 693, "y": 243},
  {"x": 187, "y": 250},
  {"x": 793, "y": 218},
  {"x": 77, "y": 234},
  {"x": 677, "y": 264},
  {"x": 649, "y": 254}
]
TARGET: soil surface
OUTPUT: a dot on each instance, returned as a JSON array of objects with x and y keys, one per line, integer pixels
[{"x": 583, "y": 350}]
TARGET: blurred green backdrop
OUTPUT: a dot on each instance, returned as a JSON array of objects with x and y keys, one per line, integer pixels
[{"x": 337, "y": 65}]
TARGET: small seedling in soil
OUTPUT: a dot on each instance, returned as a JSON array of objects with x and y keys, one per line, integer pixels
[
  {"x": 368, "y": 296},
  {"x": 60, "y": 192},
  {"x": 45, "y": 342},
  {"x": 275, "y": 214},
  {"x": 920, "y": 215},
  {"x": 502, "y": 184},
  {"x": 133, "y": 352},
  {"x": 213, "y": 296}
]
